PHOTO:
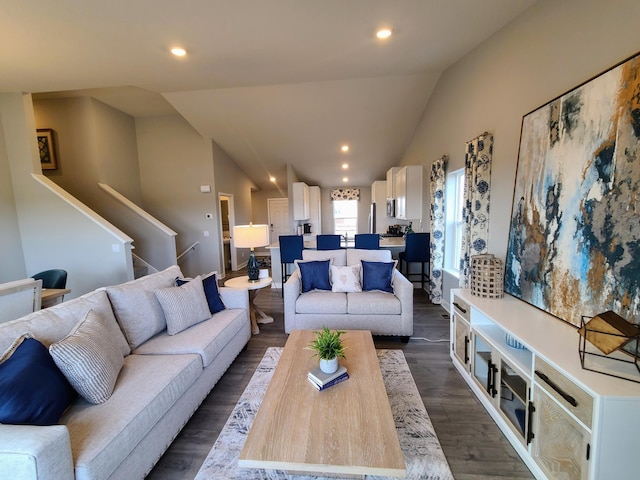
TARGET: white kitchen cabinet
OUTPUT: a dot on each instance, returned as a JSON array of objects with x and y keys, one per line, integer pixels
[
  {"x": 408, "y": 192},
  {"x": 315, "y": 214},
  {"x": 565, "y": 422},
  {"x": 391, "y": 181},
  {"x": 300, "y": 201},
  {"x": 379, "y": 197}
]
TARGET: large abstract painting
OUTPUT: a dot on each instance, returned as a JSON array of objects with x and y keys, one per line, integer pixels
[{"x": 574, "y": 239}]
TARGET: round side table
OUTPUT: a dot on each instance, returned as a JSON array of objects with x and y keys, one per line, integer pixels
[{"x": 253, "y": 288}]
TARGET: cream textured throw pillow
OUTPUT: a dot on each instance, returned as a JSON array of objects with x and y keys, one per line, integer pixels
[
  {"x": 345, "y": 279},
  {"x": 184, "y": 306},
  {"x": 89, "y": 358}
]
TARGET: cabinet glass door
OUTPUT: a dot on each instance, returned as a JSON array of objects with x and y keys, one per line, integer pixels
[
  {"x": 484, "y": 369},
  {"x": 514, "y": 388},
  {"x": 560, "y": 444}
]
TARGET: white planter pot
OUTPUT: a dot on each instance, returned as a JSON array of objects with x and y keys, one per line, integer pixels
[{"x": 329, "y": 366}]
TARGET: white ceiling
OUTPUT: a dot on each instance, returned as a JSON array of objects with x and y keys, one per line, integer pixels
[{"x": 271, "y": 81}]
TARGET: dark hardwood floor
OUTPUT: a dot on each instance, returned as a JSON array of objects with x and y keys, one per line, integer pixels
[{"x": 474, "y": 446}]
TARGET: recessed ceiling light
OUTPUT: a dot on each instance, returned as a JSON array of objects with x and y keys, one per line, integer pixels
[
  {"x": 345, "y": 166},
  {"x": 383, "y": 33},
  {"x": 178, "y": 51},
  {"x": 344, "y": 148},
  {"x": 272, "y": 179},
  {"x": 345, "y": 179}
]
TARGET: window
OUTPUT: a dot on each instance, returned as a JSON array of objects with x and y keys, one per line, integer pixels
[
  {"x": 345, "y": 217},
  {"x": 454, "y": 203}
]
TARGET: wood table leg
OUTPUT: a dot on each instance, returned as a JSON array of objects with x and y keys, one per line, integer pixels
[{"x": 252, "y": 312}]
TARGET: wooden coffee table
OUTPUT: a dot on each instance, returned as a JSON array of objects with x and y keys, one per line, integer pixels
[{"x": 346, "y": 430}]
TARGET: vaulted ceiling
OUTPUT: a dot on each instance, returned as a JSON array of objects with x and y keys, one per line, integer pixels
[{"x": 271, "y": 81}]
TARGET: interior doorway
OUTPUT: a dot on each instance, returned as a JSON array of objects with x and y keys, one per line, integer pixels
[
  {"x": 278, "y": 217},
  {"x": 228, "y": 257}
]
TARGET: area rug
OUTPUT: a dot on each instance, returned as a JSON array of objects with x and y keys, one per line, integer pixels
[{"x": 422, "y": 451}]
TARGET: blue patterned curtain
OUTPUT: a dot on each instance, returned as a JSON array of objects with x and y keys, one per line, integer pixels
[
  {"x": 438, "y": 169},
  {"x": 477, "y": 171}
]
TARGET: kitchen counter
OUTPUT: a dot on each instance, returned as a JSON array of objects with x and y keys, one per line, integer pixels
[{"x": 395, "y": 244}]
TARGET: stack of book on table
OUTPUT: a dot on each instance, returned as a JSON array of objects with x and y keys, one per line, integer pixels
[{"x": 322, "y": 380}]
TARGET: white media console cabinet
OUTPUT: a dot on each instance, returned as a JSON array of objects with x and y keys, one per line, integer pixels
[{"x": 523, "y": 365}]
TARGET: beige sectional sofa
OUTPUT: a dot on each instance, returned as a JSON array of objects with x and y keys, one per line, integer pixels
[
  {"x": 163, "y": 380},
  {"x": 383, "y": 313}
]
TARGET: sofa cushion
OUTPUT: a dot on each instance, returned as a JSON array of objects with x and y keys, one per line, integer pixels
[
  {"x": 345, "y": 279},
  {"x": 337, "y": 257},
  {"x": 206, "y": 339},
  {"x": 356, "y": 255},
  {"x": 136, "y": 307},
  {"x": 373, "y": 303},
  {"x": 89, "y": 358},
  {"x": 148, "y": 386},
  {"x": 377, "y": 276},
  {"x": 33, "y": 391},
  {"x": 183, "y": 306},
  {"x": 210, "y": 284},
  {"x": 54, "y": 323},
  {"x": 321, "y": 302},
  {"x": 314, "y": 275}
]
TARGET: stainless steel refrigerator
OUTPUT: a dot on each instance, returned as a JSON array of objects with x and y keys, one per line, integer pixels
[{"x": 372, "y": 218}]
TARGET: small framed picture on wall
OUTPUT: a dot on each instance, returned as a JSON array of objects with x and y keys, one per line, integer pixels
[{"x": 47, "y": 149}]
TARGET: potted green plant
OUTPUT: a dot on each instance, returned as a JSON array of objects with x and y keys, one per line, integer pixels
[{"x": 328, "y": 347}]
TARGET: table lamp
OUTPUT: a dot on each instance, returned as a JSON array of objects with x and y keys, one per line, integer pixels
[{"x": 251, "y": 236}]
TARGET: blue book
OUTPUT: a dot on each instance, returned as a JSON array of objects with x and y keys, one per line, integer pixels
[
  {"x": 331, "y": 383},
  {"x": 319, "y": 377}
]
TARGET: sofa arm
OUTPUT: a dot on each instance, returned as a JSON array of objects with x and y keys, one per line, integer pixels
[
  {"x": 32, "y": 452},
  {"x": 234, "y": 297},
  {"x": 403, "y": 289},
  {"x": 291, "y": 292}
]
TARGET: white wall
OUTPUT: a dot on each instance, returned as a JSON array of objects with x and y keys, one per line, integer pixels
[
  {"x": 231, "y": 180},
  {"x": 174, "y": 162},
  {"x": 11, "y": 254},
  {"x": 95, "y": 143},
  {"x": 55, "y": 230},
  {"x": 553, "y": 47}
]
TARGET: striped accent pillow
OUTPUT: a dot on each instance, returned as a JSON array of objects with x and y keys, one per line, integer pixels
[
  {"x": 183, "y": 306},
  {"x": 89, "y": 358}
]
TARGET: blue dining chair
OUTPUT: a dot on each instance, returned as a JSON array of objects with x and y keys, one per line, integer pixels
[
  {"x": 417, "y": 250},
  {"x": 291, "y": 247},
  {"x": 56, "y": 278},
  {"x": 368, "y": 241},
  {"x": 328, "y": 242}
]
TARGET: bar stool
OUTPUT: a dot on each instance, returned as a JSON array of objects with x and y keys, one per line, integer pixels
[
  {"x": 417, "y": 250},
  {"x": 290, "y": 250},
  {"x": 328, "y": 242},
  {"x": 368, "y": 241}
]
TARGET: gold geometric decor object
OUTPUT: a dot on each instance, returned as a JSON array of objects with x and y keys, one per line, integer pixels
[
  {"x": 610, "y": 345},
  {"x": 608, "y": 331}
]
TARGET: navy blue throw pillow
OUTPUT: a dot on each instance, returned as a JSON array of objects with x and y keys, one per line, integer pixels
[
  {"x": 377, "y": 276},
  {"x": 210, "y": 285},
  {"x": 315, "y": 275},
  {"x": 33, "y": 391}
]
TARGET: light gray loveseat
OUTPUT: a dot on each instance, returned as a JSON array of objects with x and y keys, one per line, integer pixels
[
  {"x": 161, "y": 384},
  {"x": 380, "y": 312}
]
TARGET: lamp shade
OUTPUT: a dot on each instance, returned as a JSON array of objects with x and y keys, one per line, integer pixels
[{"x": 250, "y": 236}]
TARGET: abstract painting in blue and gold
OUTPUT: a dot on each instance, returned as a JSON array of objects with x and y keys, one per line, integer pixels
[{"x": 574, "y": 238}]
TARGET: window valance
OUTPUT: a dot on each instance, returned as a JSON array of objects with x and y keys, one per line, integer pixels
[{"x": 345, "y": 194}]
